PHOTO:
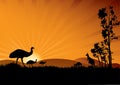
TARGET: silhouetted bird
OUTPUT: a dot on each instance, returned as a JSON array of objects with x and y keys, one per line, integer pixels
[
  {"x": 30, "y": 62},
  {"x": 42, "y": 62},
  {"x": 19, "y": 53}
]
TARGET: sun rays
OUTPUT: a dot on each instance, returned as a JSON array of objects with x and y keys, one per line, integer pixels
[
  {"x": 42, "y": 27},
  {"x": 57, "y": 29}
]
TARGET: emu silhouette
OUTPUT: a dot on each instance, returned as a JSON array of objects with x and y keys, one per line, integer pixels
[
  {"x": 31, "y": 62},
  {"x": 42, "y": 62},
  {"x": 90, "y": 60},
  {"x": 19, "y": 53}
]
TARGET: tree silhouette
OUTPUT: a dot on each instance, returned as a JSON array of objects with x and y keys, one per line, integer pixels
[
  {"x": 100, "y": 52},
  {"x": 108, "y": 21}
]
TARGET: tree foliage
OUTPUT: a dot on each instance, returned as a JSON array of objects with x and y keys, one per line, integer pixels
[
  {"x": 108, "y": 21},
  {"x": 100, "y": 51}
]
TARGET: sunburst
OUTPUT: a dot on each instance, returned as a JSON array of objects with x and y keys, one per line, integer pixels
[{"x": 56, "y": 29}]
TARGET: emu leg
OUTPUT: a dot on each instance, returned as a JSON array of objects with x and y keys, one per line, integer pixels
[
  {"x": 22, "y": 62},
  {"x": 17, "y": 60}
]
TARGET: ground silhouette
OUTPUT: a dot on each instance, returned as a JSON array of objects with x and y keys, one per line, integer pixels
[{"x": 72, "y": 74}]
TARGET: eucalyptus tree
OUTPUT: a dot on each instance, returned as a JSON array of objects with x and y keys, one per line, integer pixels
[{"x": 108, "y": 22}]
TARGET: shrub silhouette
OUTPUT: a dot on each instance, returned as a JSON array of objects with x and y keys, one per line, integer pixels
[{"x": 78, "y": 64}]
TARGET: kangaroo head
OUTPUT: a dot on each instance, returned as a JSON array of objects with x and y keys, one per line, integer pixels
[{"x": 36, "y": 60}]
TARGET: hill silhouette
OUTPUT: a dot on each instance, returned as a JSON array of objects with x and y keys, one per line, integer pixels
[
  {"x": 86, "y": 64},
  {"x": 49, "y": 62},
  {"x": 6, "y": 62},
  {"x": 57, "y": 63},
  {"x": 83, "y": 61}
]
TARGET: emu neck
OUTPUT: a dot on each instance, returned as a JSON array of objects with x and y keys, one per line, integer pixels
[{"x": 31, "y": 52}]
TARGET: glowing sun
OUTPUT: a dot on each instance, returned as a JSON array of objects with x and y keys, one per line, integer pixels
[{"x": 33, "y": 57}]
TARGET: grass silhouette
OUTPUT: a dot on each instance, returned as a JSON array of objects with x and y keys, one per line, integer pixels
[{"x": 15, "y": 72}]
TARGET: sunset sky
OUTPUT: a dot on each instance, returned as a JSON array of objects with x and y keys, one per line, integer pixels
[{"x": 64, "y": 29}]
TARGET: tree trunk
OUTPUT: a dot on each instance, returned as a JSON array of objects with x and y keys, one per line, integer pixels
[
  {"x": 109, "y": 50},
  {"x": 99, "y": 61}
]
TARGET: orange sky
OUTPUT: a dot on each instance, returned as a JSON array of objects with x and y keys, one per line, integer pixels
[{"x": 56, "y": 28}]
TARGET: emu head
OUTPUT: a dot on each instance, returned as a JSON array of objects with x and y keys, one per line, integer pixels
[
  {"x": 36, "y": 60},
  {"x": 32, "y": 48}
]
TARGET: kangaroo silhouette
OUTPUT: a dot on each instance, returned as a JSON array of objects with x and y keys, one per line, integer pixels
[
  {"x": 19, "y": 53},
  {"x": 31, "y": 62},
  {"x": 90, "y": 60}
]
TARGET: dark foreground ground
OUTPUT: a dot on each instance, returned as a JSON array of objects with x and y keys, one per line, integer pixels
[{"x": 16, "y": 73}]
